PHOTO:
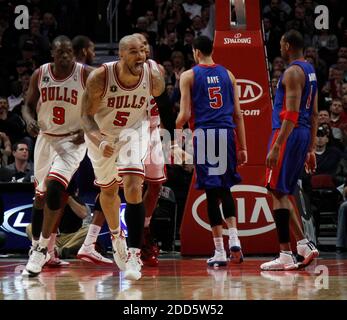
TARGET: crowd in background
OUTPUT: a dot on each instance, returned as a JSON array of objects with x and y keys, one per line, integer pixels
[{"x": 170, "y": 27}]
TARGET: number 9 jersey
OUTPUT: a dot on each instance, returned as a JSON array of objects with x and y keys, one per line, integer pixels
[{"x": 59, "y": 107}]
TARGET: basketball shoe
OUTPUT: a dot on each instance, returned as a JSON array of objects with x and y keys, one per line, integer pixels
[
  {"x": 54, "y": 261},
  {"x": 218, "y": 260},
  {"x": 149, "y": 250},
  {"x": 89, "y": 254},
  {"x": 308, "y": 251},
  {"x": 285, "y": 261},
  {"x": 133, "y": 265},
  {"x": 37, "y": 259},
  {"x": 236, "y": 255},
  {"x": 120, "y": 250}
]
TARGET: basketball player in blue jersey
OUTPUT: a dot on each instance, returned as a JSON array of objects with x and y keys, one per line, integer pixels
[
  {"x": 294, "y": 124},
  {"x": 209, "y": 93}
]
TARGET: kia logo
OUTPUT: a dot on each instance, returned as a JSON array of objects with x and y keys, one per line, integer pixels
[
  {"x": 249, "y": 91},
  {"x": 237, "y": 35},
  {"x": 261, "y": 206}
]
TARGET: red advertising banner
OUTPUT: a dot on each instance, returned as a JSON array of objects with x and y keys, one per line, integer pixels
[{"x": 241, "y": 50}]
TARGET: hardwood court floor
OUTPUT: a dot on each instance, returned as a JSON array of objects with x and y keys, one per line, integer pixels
[{"x": 177, "y": 279}]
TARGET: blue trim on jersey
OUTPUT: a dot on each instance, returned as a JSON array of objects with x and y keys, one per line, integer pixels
[{"x": 307, "y": 97}]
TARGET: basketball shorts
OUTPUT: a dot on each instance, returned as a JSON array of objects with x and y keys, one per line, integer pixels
[
  {"x": 131, "y": 147},
  {"x": 215, "y": 158},
  {"x": 56, "y": 158},
  {"x": 284, "y": 177}
]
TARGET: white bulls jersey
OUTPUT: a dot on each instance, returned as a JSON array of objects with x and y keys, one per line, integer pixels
[
  {"x": 59, "y": 106},
  {"x": 153, "y": 112},
  {"x": 123, "y": 107}
]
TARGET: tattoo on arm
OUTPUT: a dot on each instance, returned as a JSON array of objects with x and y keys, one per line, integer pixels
[
  {"x": 91, "y": 99},
  {"x": 158, "y": 83}
]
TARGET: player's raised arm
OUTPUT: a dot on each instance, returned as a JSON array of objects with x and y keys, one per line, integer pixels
[
  {"x": 240, "y": 125},
  {"x": 91, "y": 100},
  {"x": 29, "y": 108},
  {"x": 186, "y": 82}
]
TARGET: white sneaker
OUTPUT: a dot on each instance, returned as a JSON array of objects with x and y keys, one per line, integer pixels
[
  {"x": 284, "y": 262},
  {"x": 218, "y": 260},
  {"x": 308, "y": 251},
  {"x": 236, "y": 255},
  {"x": 38, "y": 257},
  {"x": 120, "y": 250},
  {"x": 133, "y": 265},
  {"x": 89, "y": 254}
]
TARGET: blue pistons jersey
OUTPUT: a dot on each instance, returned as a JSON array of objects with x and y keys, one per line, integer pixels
[
  {"x": 307, "y": 97},
  {"x": 212, "y": 119},
  {"x": 283, "y": 178},
  {"x": 213, "y": 97}
]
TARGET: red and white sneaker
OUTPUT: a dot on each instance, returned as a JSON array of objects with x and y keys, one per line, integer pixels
[
  {"x": 284, "y": 262},
  {"x": 149, "y": 250},
  {"x": 54, "y": 261},
  {"x": 133, "y": 265},
  {"x": 89, "y": 254},
  {"x": 120, "y": 250},
  {"x": 308, "y": 251}
]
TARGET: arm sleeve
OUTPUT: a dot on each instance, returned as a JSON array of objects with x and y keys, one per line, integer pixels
[{"x": 166, "y": 113}]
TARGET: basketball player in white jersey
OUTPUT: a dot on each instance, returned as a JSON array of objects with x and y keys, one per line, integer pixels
[
  {"x": 155, "y": 174},
  {"x": 84, "y": 53},
  {"x": 115, "y": 100},
  {"x": 55, "y": 93}
]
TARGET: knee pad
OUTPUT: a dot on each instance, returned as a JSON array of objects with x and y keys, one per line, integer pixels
[{"x": 54, "y": 194}]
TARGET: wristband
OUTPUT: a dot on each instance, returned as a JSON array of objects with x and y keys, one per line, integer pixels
[{"x": 292, "y": 116}]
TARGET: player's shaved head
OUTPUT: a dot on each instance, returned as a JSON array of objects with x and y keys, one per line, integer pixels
[
  {"x": 59, "y": 40},
  {"x": 127, "y": 41},
  {"x": 132, "y": 54},
  {"x": 140, "y": 36}
]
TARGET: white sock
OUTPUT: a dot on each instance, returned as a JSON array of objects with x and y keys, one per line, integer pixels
[
  {"x": 34, "y": 242},
  {"x": 134, "y": 250},
  {"x": 43, "y": 242},
  {"x": 218, "y": 243},
  {"x": 92, "y": 235},
  {"x": 287, "y": 252},
  {"x": 233, "y": 238},
  {"x": 147, "y": 221},
  {"x": 302, "y": 241},
  {"x": 51, "y": 243},
  {"x": 232, "y": 233}
]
